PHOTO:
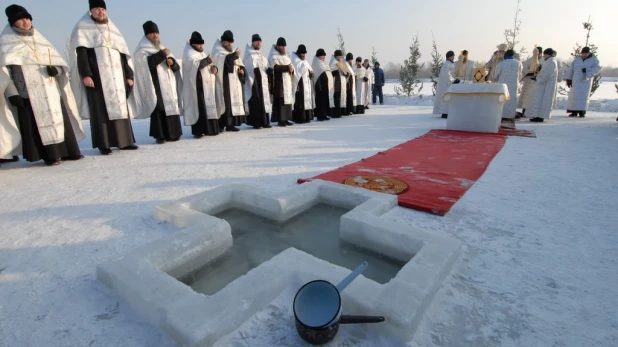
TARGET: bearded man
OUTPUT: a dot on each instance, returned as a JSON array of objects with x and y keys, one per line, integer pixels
[
  {"x": 492, "y": 65},
  {"x": 102, "y": 79},
  {"x": 232, "y": 77},
  {"x": 158, "y": 86},
  {"x": 324, "y": 89},
  {"x": 39, "y": 91},
  {"x": 302, "y": 90},
  {"x": 509, "y": 73},
  {"x": 282, "y": 77},
  {"x": 202, "y": 97},
  {"x": 464, "y": 68},
  {"x": 257, "y": 92}
]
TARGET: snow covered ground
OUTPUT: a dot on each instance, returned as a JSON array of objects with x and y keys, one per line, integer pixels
[{"x": 539, "y": 267}]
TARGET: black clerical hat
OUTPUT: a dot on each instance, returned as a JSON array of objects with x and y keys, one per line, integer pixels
[
  {"x": 359, "y": 59},
  {"x": 227, "y": 36},
  {"x": 15, "y": 13},
  {"x": 256, "y": 37},
  {"x": 450, "y": 54},
  {"x": 196, "y": 39},
  {"x": 549, "y": 51},
  {"x": 349, "y": 57},
  {"x": 338, "y": 53},
  {"x": 301, "y": 49},
  {"x": 586, "y": 50},
  {"x": 320, "y": 53},
  {"x": 150, "y": 27},
  {"x": 281, "y": 42},
  {"x": 97, "y": 3},
  {"x": 509, "y": 53}
]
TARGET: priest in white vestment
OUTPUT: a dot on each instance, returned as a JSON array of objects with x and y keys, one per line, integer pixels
[
  {"x": 446, "y": 78},
  {"x": 492, "y": 65},
  {"x": 464, "y": 68},
  {"x": 102, "y": 79},
  {"x": 530, "y": 68},
  {"x": 257, "y": 90},
  {"x": 9, "y": 132},
  {"x": 363, "y": 88},
  {"x": 350, "y": 85},
  {"x": 202, "y": 94},
  {"x": 231, "y": 76},
  {"x": 372, "y": 80},
  {"x": 579, "y": 78},
  {"x": 546, "y": 84},
  {"x": 340, "y": 75},
  {"x": 509, "y": 73},
  {"x": 282, "y": 72},
  {"x": 158, "y": 86},
  {"x": 323, "y": 86},
  {"x": 302, "y": 90},
  {"x": 40, "y": 93}
]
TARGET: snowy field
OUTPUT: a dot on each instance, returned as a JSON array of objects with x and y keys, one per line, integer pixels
[{"x": 539, "y": 266}]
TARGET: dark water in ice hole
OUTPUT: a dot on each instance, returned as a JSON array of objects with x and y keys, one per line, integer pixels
[{"x": 257, "y": 240}]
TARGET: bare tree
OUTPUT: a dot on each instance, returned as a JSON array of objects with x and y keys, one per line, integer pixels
[
  {"x": 511, "y": 35},
  {"x": 341, "y": 44},
  {"x": 374, "y": 56},
  {"x": 436, "y": 64}
]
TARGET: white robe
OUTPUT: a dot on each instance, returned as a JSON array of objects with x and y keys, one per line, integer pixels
[
  {"x": 254, "y": 59},
  {"x": 46, "y": 94},
  {"x": 321, "y": 67},
  {"x": 579, "y": 95},
  {"x": 302, "y": 69},
  {"x": 9, "y": 133},
  {"x": 274, "y": 59},
  {"x": 372, "y": 80},
  {"x": 447, "y": 76},
  {"x": 492, "y": 65},
  {"x": 466, "y": 71},
  {"x": 334, "y": 66},
  {"x": 219, "y": 53},
  {"x": 144, "y": 90},
  {"x": 543, "y": 97},
  {"x": 509, "y": 73},
  {"x": 527, "y": 89},
  {"x": 213, "y": 93},
  {"x": 108, "y": 44},
  {"x": 363, "y": 89}
]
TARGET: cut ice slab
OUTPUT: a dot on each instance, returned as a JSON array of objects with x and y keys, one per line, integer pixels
[{"x": 147, "y": 277}]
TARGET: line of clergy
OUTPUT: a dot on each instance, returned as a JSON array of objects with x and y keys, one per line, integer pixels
[
  {"x": 45, "y": 98},
  {"x": 538, "y": 77}
]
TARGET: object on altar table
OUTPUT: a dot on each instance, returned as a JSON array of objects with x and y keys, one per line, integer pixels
[{"x": 478, "y": 74}]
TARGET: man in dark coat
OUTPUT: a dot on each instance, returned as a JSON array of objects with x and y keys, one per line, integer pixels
[
  {"x": 378, "y": 85},
  {"x": 282, "y": 75},
  {"x": 103, "y": 95}
]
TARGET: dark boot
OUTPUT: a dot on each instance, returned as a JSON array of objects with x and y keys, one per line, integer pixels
[
  {"x": 267, "y": 126},
  {"x": 105, "y": 151},
  {"x": 445, "y": 116},
  {"x": 288, "y": 123},
  {"x": 160, "y": 141},
  {"x": 582, "y": 114},
  {"x": 231, "y": 128},
  {"x": 54, "y": 162},
  {"x": 12, "y": 160},
  {"x": 573, "y": 114},
  {"x": 537, "y": 120},
  {"x": 198, "y": 136},
  {"x": 130, "y": 148},
  {"x": 282, "y": 124}
]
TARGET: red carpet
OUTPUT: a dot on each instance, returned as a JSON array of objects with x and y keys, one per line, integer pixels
[{"x": 438, "y": 167}]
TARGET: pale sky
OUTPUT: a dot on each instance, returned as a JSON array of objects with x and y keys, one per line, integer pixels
[{"x": 389, "y": 26}]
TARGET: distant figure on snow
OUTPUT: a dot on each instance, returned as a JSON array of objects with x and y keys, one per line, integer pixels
[
  {"x": 350, "y": 86},
  {"x": 379, "y": 82},
  {"x": 363, "y": 87},
  {"x": 446, "y": 78},
  {"x": 579, "y": 78},
  {"x": 546, "y": 84}
]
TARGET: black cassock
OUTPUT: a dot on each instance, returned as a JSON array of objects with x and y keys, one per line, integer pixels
[
  {"x": 322, "y": 106},
  {"x": 257, "y": 113},
  {"x": 281, "y": 112},
  {"x": 300, "y": 115},
  {"x": 350, "y": 97},
  {"x": 32, "y": 145},
  {"x": 203, "y": 126},
  {"x": 106, "y": 133},
  {"x": 335, "y": 112},
  {"x": 162, "y": 126},
  {"x": 227, "y": 119}
]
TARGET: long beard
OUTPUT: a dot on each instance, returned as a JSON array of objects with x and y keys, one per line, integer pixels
[
  {"x": 201, "y": 50},
  {"x": 22, "y": 32},
  {"x": 229, "y": 48},
  {"x": 155, "y": 42},
  {"x": 101, "y": 21}
]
